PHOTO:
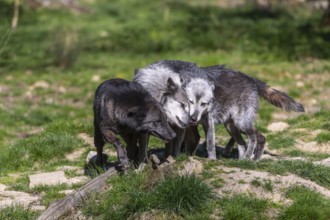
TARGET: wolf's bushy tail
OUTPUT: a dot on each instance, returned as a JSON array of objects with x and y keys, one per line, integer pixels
[{"x": 278, "y": 98}]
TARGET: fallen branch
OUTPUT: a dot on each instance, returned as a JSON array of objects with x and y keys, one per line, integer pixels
[{"x": 70, "y": 202}]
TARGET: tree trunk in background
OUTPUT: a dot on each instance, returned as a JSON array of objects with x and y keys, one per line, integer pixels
[{"x": 16, "y": 14}]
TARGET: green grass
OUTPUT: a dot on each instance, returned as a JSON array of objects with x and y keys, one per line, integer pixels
[
  {"x": 323, "y": 137},
  {"x": 17, "y": 213},
  {"x": 319, "y": 120},
  {"x": 311, "y": 156},
  {"x": 280, "y": 140},
  {"x": 265, "y": 184},
  {"x": 48, "y": 147},
  {"x": 244, "y": 207},
  {"x": 179, "y": 195},
  {"x": 307, "y": 204}
]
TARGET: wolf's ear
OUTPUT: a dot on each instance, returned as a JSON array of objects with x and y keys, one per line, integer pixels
[
  {"x": 132, "y": 111},
  {"x": 171, "y": 86},
  {"x": 136, "y": 71}
]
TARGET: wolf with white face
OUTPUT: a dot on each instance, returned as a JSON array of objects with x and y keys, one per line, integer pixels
[
  {"x": 166, "y": 87},
  {"x": 176, "y": 106},
  {"x": 200, "y": 95}
]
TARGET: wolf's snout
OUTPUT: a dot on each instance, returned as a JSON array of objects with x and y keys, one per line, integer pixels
[{"x": 193, "y": 120}]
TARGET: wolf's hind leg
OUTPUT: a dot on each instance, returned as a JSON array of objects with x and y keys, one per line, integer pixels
[
  {"x": 111, "y": 137},
  {"x": 252, "y": 142},
  {"x": 99, "y": 144},
  {"x": 235, "y": 133},
  {"x": 260, "y": 146},
  {"x": 228, "y": 147}
]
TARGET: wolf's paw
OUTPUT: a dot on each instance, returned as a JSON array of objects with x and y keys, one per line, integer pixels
[
  {"x": 212, "y": 156},
  {"x": 124, "y": 163}
]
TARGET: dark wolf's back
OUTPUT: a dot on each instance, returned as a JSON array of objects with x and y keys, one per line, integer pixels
[
  {"x": 114, "y": 97},
  {"x": 121, "y": 89}
]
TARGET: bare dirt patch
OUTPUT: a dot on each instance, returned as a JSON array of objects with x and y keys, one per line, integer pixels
[
  {"x": 75, "y": 155},
  {"x": 87, "y": 139},
  {"x": 277, "y": 126},
  {"x": 238, "y": 181},
  {"x": 312, "y": 147}
]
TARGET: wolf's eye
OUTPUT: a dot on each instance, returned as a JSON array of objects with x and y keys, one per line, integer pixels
[
  {"x": 203, "y": 104},
  {"x": 191, "y": 102},
  {"x": 182, "y": 105}
]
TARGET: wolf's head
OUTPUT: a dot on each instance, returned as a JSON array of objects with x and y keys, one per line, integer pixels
[
  {"x": 165, "y": 85},
  {"x": 200, "y": 94},
  {"x": 176, "y": 104},
  {"x": 149, "y": 116}
]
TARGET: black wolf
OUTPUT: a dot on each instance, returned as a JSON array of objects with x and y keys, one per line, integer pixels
[
  {"x": 126, "y": 108},
  {"x": 236, "y": 102}
]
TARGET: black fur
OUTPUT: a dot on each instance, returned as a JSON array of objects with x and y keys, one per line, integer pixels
[{"x": 125, "y": 108}]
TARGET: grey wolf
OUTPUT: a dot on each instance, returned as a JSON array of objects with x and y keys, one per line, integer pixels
[
  {"x": 199, "y": 90},
  {"x": 163, "y": 83},
  {"x": 236, "y": 102},
  {"x": 126, "y": 108}
]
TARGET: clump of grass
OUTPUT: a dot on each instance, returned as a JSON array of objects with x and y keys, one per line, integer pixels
[
  {"x": 207, "y": 174},
  {"x": 17, "y": 213},
  {"x": 217, "y": 183},
  {"x": 323, "y": 137},
  {"x": 268, "y": 185},
  {"x": 243, "y": 207},
  {"x": 256, "y": 183},
  {"x": 265, "y": 184},
  {"x": 180, "y": 195},
  {"x": 307, "y": 204}
]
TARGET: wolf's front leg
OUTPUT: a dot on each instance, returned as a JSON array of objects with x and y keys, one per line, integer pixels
[
  {"x": 143, "y": 147},
  {"x": 111, "y": 137},
  {"x": 210, "y": 138},
  {"x": 177, "y": 141}
]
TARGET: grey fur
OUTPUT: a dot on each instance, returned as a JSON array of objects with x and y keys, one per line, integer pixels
[
  {"x": 199, "y": 89},
  {"x": 165, "y": 85},
  {"x": 126, "y": 108},
  {"x": 236, "y": 104},
  {"x": 162, "y": 81},
  {"x": 191, "y": 92}
]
